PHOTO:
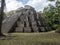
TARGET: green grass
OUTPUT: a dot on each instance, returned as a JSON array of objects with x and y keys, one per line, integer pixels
[{"x": 47, "y": 38}]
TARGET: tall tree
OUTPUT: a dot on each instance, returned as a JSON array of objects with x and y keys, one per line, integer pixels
[
  {"x": 57, "y": 11},
  {"x": 49, "y": 14},
  {"x": 1, "y": 15},
  {"x": 52, "y": 15}
]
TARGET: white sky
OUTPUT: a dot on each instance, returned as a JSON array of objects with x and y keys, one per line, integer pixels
[{"x": 37, "y": 4}]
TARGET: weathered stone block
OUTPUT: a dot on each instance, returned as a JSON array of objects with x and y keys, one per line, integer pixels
[
  {"x": 39, "y": 23},
  {"x": 18, "y": 23},
  {"x": 27, "y": 12},
  {"x": 42, "y": 29},
  {"x": 34, "y": 23},
  {"x": 21, "y": 24},
  {"x": 31, "y": 17},
  {"x": 27, "y": 24},
  {"x": 22, "y": 17},
  {"x": 25, "y": 18},
  {"x": 27, "y": 29},
  {"x": 35, "y": 29},
  {"x": 19, "y": 29}
]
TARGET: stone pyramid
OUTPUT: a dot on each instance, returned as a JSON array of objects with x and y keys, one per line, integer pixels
[{"x": 25, "y": 20}]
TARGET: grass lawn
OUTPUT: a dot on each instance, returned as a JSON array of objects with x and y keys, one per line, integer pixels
[{"x": 46, "y": 38}]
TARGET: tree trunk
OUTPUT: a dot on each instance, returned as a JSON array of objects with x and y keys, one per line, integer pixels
[{"x": 1, "y": 15}]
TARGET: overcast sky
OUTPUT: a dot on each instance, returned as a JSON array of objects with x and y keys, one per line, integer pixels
[{"x": 37, "y": 4}]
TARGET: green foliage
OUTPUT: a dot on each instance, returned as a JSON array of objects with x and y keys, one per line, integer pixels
[
  {"x": 11, "y": 12},
  {"x": 52, "y": 15}
]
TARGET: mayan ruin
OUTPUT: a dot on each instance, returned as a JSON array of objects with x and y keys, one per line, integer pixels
[{"x": 25, "y": 20}]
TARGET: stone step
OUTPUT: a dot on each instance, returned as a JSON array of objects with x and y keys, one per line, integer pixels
[
  {"x": 35, "y": 29},
  {"x": 34, "y": 23},
  {"x": 24, "y": 18},
  {"x": 20, "y": 24},
  {"x": 19, "y": 29},
  {"x": 27, "y": 29},
  {"x": 42, "y": 29}
]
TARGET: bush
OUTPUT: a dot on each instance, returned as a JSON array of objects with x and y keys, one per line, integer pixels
[{"x": 58, "y": 29}]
